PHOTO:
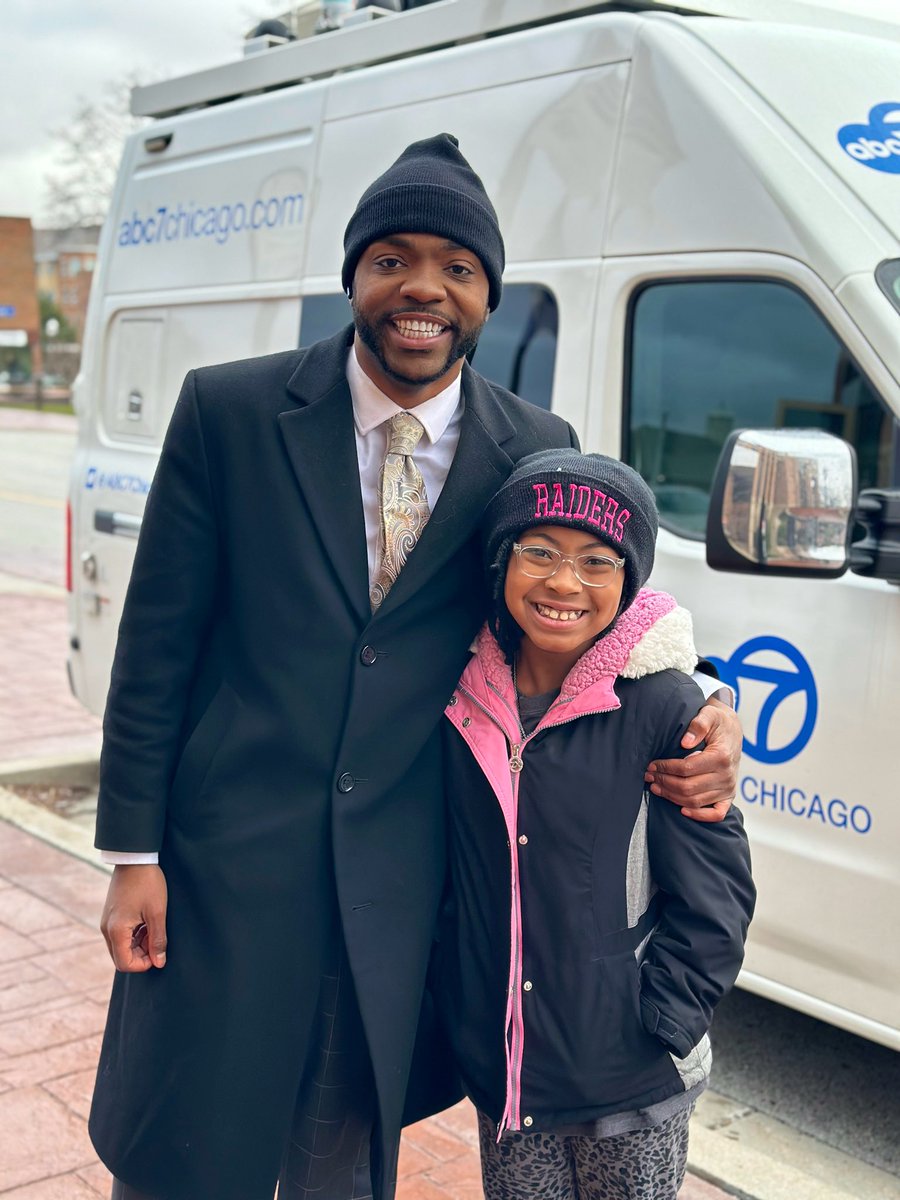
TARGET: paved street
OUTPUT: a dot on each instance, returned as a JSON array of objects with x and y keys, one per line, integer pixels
[
  {"x": 34, "y": 480},
  {"x": 38, "y": 715}
]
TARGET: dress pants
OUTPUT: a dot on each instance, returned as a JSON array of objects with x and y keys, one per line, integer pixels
[{"x": 328, "y": 1156}]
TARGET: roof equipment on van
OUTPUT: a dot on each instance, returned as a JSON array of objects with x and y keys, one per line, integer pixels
[
  {"x": 157, "y": 143},
  {"x": 266, "y": 35},
  {"x": 427, "y": 25}
]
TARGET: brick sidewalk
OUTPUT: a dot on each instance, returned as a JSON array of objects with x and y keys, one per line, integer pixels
[
  {"x": 54, "y": 985},
  {"x": 39, "y": 716}
]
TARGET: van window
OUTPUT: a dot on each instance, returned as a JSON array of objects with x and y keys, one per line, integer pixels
[
  {"x": 710, "y": 356},
  {"x": 517, "y": 348},
  {"x": 321, "y": 316}
]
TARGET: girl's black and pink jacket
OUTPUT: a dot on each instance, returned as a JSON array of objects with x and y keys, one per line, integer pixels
[{"x": 592, "y": 928}]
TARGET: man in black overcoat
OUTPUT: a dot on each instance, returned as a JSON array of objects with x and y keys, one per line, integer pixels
[{"x": 271, "y": 777}]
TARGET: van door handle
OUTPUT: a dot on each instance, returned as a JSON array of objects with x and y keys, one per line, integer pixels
[{"x": 117, "y": 523}]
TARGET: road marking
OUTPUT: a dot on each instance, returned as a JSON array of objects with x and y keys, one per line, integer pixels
[{"x": 26, "y": 498}]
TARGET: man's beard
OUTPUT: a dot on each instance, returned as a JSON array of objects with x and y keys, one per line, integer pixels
[{"x": 463, "y": 343}]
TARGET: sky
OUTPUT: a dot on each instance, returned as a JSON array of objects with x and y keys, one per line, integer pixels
[{"x": 56, "y": 52}]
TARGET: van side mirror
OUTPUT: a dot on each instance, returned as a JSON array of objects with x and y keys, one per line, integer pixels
[{"x": 782, "y": 503}]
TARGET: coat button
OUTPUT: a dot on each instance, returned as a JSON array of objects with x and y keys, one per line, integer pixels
[
  {"x": 345, "y": 782},
  {"x": 368, "y": 655},
  {"x": 454, "y": 699},
  {"x": 527, "y": 985},
  {"x": 466, "y": 722},
  {"x": 528, "y": 1122},
  {"x": 523, "y": 839}
]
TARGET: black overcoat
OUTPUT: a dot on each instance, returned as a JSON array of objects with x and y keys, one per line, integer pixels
[{"x": 277, "y": 742}]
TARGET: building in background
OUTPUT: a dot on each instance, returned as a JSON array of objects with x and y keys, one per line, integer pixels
[
  {"x": 64, "y": 261},
  {"x": 20, "y": 321}
]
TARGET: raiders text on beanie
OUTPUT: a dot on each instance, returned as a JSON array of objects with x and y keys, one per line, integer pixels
[{"x": 583, "y": 491}]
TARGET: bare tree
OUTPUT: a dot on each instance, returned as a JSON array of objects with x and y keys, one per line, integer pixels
[{"x": 88, "y": 150}]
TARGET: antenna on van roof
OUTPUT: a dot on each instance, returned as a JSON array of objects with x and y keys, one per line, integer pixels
[{"x": 266, "y": 35}]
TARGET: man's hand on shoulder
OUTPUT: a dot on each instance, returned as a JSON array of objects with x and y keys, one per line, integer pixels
[
  {"x": 705, "y": 782},
  {"x": 134, "y": 918}
]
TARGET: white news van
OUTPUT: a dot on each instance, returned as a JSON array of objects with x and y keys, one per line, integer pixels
[{"x": 702, "y": 221}]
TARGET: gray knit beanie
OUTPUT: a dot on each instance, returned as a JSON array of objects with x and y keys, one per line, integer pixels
[
  {"x": 583, "y": 491},
  {"x": 429, "y": 189}
]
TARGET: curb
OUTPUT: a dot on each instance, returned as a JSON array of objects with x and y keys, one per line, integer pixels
[
  {"x": 57, "y": 831},
  {"x": 76, "y": 770},
  {"x": 755, "y": 1157}
]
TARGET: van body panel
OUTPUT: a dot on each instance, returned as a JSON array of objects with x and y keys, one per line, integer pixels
[
  {"x": 548, "y": 176},
  {"x": 865, "y": 302},
  {"x": 528, "y": 55},
  {"x": 217, "y": 212},
  {"x": 706, "y": 164},
  {"x": 809, "y": 860},
  {"x": 803, "y": 75},
  {"x": 624, "y": 153}
]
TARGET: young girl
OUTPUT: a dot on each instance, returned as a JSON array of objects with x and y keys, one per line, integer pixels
[{"x": 592, "y": 928}]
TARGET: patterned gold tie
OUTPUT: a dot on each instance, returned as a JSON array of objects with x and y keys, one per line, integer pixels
[{"x": 404, "y": 504}]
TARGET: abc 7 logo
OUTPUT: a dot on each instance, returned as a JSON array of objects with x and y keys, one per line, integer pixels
[
  {"x": 876, "y": 145},
  {"x": 783, "y": 683}
]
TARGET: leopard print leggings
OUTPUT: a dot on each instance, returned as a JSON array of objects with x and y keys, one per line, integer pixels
[{"x": 648, "y": 1164}]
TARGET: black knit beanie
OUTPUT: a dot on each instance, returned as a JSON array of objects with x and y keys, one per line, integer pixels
[
  {"x": 429, "y": 189},
  {"x": 582, "y": 491}
]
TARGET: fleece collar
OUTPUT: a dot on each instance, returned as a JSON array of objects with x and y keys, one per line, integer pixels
[{"x": 653, "y": 634}]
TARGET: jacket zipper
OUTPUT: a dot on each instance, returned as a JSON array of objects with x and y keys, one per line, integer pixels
[
  {"x": 514, "y": 1036},
  {"x": 513, "y": 1033}
]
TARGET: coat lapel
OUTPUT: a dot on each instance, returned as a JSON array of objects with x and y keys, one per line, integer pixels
[
  {"x": 321, "y": 445},
  {"x": 479, "y": 468}
]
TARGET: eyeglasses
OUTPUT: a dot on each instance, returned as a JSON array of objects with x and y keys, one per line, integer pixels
[{"x": 541, "y": 562}]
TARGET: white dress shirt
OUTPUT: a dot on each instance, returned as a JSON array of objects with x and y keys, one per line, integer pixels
[{"x": 441, "y": 417}]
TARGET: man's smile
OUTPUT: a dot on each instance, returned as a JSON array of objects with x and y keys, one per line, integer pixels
[
  {"x": 419, "y": 327},
  {"x": 424, "y": 329}
]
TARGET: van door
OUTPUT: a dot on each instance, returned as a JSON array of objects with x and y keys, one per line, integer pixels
[
  {"x": 113, "y": 480},
  {"x": 698, "y": 345}
]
